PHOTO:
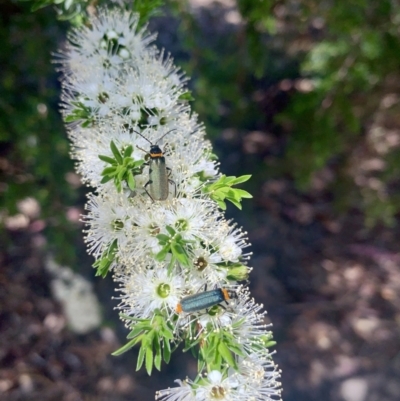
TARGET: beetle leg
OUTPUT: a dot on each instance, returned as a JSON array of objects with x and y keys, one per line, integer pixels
[
  {"x": 173, "y": 182},
  {"x": 169, "y": 180},
  {"x": 147, "y": 183}
]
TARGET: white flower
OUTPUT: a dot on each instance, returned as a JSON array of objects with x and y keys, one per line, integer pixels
[
  {"x": 229, "y": 250},
  {"x": 145, "y": 224},
  {"x": 106, "y": 42},
  {"x": 217, "y": 388},
  {"x": 107, "y": 218},
  {"x": 259, "y": 377},
  {"x": 231, "y": 244},
  {"x": 247, "y": 320},
  {"x": 205, "y": 263},
  {"x": 194, "y": 219},
  {"x": 182, "y": 393},
  {"x": 148, "y": 289}
]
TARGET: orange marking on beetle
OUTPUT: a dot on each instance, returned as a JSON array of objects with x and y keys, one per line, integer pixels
[
  {"x": 156, "y": 154},
  {"x": 226, "y": 294},
  {"x": 179, "y": 308}
]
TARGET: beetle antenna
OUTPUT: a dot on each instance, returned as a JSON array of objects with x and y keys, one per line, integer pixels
[
  {"x": 159, "y": 139},
  {"x": 145, "y": 151},
  {"x": 143, "y": 136}
]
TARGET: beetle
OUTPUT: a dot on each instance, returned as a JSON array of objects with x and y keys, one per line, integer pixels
[
  {"x": 158, "y": 172},
  {"x": 204, "y": 300}
]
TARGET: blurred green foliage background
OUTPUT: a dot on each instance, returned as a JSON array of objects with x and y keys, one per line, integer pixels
[{"x": 319, "y": 80}]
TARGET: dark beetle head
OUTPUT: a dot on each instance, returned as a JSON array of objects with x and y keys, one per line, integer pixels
[
  {"x": 229, "y": 294},
  {"x": 155, "y": 151}
]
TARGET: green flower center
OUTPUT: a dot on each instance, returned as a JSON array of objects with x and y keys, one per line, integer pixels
[
  {"x": 200, "y": 263},
  {"x": 214, "y": 310},
  {"x": 163, "y": 290},
  {"x": 181, "y": 225},
  {"x": 154, "y": 230},
  {"x": 103, "y": 97},
  {"x": 218, "y": 392},
  {"x": 117, "y": 225}
]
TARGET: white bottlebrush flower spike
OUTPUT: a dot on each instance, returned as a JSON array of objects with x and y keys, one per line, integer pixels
[{"x": 133, "y": 134}]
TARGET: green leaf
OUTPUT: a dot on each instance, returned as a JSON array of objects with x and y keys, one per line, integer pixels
[
  {"x": 162, "y": 254},
  {"x": 128, "y": 151},
  {"x": 135, "y": 331},
  {"x": 166, "y": 351},
  {"x": 40, "y": 4},
  {"x": 126, "y": 347},
  {"x": 140, "y": 359},
  {"x": 222, "y": 205},
  {"x": 162, "y": 238},
  {"x": 111, "y": 171},
  {"x": 236, "y": 203},
  {"x": 179, "y": 252},
  {"x": 131, "y": 181},
  {"x": 167, "y": 332},
  {"x": 229, "y": 181},
  {"x": 236, "y": 349},
  {"x": 242, "y": 193},
  {"x": 116, "y": 152},
  {"x": 170, "y": 230},
  {"x": 157, "y": 357},
  {"x": 186, "y": 96},
  {"x": 107, "y": 159},
  {"x": 106, "y": 178},
  {"x": 241, "y": 179},
  {"x": 121, "y": 173},
  {"x": 102, "y": 266},
  {"x": 222, "y": 190},
  {"x": 149, "y": 359}
]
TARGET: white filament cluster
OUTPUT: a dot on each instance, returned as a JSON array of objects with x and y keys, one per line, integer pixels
[{"x": 116, "y": 85}]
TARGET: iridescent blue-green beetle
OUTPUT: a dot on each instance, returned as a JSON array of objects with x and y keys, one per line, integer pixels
[{"x": 204, "y": 300}]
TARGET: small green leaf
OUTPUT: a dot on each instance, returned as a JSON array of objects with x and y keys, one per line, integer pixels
[
  {"x": 111, "y": 171},
  {"x": 236, "y": 203},
  {"x": 121, "y": 173},
  {"x": 116, "y": 152},
  {"x": 131, "y": 181},
  {"x": 126, "y": 347},
  {"x": 242, "y": 193},
  {"x": 149, "y": 359},
  {"x": 162, "y": 238},
  {"x": 180, "y": 254},
  {"x": 135, "y": 331},
  {"x": 107, "y": 159},
  {"x": 128, "y": 151},
  {"x": 222, "y": 205},
  {"x": 170, "y": 230},
  {"x": 140, "y": 359},
  {"x": 241, "y": 179},
  {"x": 186, "y": 96},
  {"x": 229, "y": 181},
  {"x": 166, "y": 351},
  {"x": 167, "y": 332},
  {"x": 157, "y": 357},
  {"x": 106, "y": 178},
  {"x": 162, "y": 254}
]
